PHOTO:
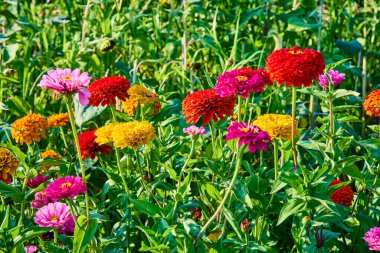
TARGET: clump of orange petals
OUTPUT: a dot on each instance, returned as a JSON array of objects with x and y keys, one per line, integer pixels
[
  {"x": 372, "y": 104},
  {"x": 57, "y": 120},
  {"x": 30, "y": 128}
]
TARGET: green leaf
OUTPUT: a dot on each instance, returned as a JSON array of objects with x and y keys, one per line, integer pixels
[
  {"x": 83, "y": 233},
  {"x": 212, "y": 192},
  {"x": 372, "y": 146},
  {"x": 15, "y": 150},
  {"x": 291, "y": 179},
  {"x": 291, "y": 207},
  {"x": 28, "y": 234},
  {"x": 11, "y": 191},
  {"x": 146, "y": 207},
  {"x": 345, "y": 93},
  {"x": 352, "y": 47},
  {"x": 9, "y": 52},
  {"x": 232, "y": 220},
  {"x": 297, "y": 25}
]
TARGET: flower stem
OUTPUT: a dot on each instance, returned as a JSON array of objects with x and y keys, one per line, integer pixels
[
  {"x": 69, "y": 103},
  {"x": 55, "y": 235},
  {"x": 275, "y": 156},
  {"x": 332, "y": 131},
  {"x": 22, "y": 212},
  {"x": 294, "y": 100},
  {"x": 63, "y": 137},
  {"x": 239, "y": 108}
]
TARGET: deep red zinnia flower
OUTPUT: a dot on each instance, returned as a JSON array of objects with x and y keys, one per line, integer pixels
[
  {"x": 36, "y": 181},
  {"x": 207, "y": 104},
  {"x": 105, "y": 90},
  {"x": 89, "y": 147},
  {"x": 295, "y": 66},
  {"x": 343, "y": 196}
]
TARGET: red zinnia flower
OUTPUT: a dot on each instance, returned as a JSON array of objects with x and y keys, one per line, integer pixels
[
  {"x": 207, "y": 104},
  {"x": 89, "y": 147},
  {"x": 295, "y": 66},
  {"x": 343, "y": 196},
  {"x": 7, "y": 180},
  {"x": 372, "y": 104},
  {"x": 105, "y": 90}
]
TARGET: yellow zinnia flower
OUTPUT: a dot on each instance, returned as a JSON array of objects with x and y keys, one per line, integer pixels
[
  {"x": 133, "y": 134},
  {"x": 278, "y": 126},
  {"x": 104, "y": 134},
  {"x": 30, "y": 128},
  {"x": 8, "y": 163},
  {"x": 140, "y": 95},
  {"x": 57, "y": 120}
]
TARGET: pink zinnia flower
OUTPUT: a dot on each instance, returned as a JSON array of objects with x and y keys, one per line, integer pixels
[
  {"x": 240, "y": 82},
  {"x": 372, "y": 237},
  {"x": 67, "y": 81},
  {"x": 41, "y": 198},
  {"x": 36, "y": 181},
  {"x": 53, "y": 215},
  {"x": 194, "y": 130},
  {"x": 68, "y": 227},
  {"x": 335, "y": 76},
  {"x": 249, "y": 134},
  {"x": 67, "y": 187},
  {"x": 30, "y": 248}
]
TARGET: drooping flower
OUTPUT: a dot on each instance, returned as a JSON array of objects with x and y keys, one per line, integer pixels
[
  {"x": 41, "y": 198},
  {"x": 8, "y": 165},
  {"x": 30, "y": 128},
  {"x": 240, "y": 82},
  {"x": 139, "y": 95},
  {"x": 295, "y": 66},
  {"x": 133, "y": 134},
  {"x": 278, "y": 126},
  {"x": 194, "y": 130},
  {"x": 67, "y": 187},
  {"x": 208, "y": 104},
  {"x": 68, "y": 227},
  {"x": 57, "y": 120},
  {"x": 104, "y": 134},
  {"x": 67, "y": 82},
  {"x": 30, "y": 249},
  {"x": 344, "y": 195},
  {"x": 372, "y": 237},
  {"x": 36, "y": 181},
  {"x": 250, "y": 135},
  {"x": 89, "y": 147},
  {"x": 105, "y": 90},
  {"x": 53, "y": 215},
  {"x": 372, "y": 104},
  {"x": 335, "y": 77}
]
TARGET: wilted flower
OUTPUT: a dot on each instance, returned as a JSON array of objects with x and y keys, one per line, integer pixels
[
  {"x": 343, "y": 196},
  {"x": 53, "y": 215},
  {"x": 278, "y": 126},
  {"x": 139, "y": 95},
  {"x": 67, "y": 187},
  {"x": 372, "y": 104},
  {"x": 89, "y": 147},
  {"x": 194, "y": 130},
  {"x": 41, "y": 199},
  {"x": 133, "y": 134},
  {"x": 57, "y": 120},
  {"x": 105, "y": 90},
  {"x": 30, "y": 128},
  {"x": 36, "y": 181},
  {"x": 8, "y": 165},
  {"x": 372, "y": 237},
  {"x": 335, "y": 77}
]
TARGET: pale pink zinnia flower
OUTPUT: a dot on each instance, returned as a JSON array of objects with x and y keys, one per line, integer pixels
[
  {"x": 53, "y": 215},
  {"x": 335, "y": 77},
  {"x": 67, "y": 187},
  {"x": 30, "y": 248},
  {"x": 372, "y": 237},
  {"x": 41, "y": 199},
  {"x": 194, "y": 130},
  {"x": 67, "y": 81},
  {"x": 36, "y": 181}
]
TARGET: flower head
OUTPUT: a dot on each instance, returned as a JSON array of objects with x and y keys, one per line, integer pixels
[
  {"x": 36, "y": 181},
  {"x": 208, "y": 104},
  {"x": 49, "y": 154},
  {"x": 277, "y": 126},
  {"x": 133, "y": 134},
  {"x": 372, "y": 104},
  {"x": 105, "y": 90},
  {"x": 68, "y": 227},
  {"x": 248, "y": 134},
  {"x": 41, "y": 198},
  {"x": 194, "y": 130},
  {"x": 89, "y": 147},
  {"x": 30, "y": 249},
  {"x": 104, "y": 134},
  {"x": 295, "y": 66},
  {"x": 139, "y": 95},
  {"x": 8, "y": 165},
  {"x": 53, "y": 215},
  {"x": 372, "y": 237},
  {"x": 67, "y": 187},
  {"x": 240, "y": 82},
  {"x": 335, "y": 77},
  {"x": 343, "y": 196},
  {"x": 30, "y": 128},
  {"x": 57, "y": 120},
  {"x": 67, "y": 81}
]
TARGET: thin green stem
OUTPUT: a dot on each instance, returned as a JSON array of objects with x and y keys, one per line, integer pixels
[
  {"x": 63, "y": 136},
  {"x": 22, "y": 213},
  {"x": 275, "y": 156},
  {"x": 332, "y": 131},
  {"x": 239, "y": 108},
  {"x": 55, "y": 235},
  {"x": 294, "y": 122}
]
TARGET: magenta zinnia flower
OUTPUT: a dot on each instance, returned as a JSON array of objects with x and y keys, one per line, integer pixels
[
  {"x": 41, "y": 199},
  {"x": 68, "y": 227},
  {"x": 67, "y": 187},
  {"x": 67, "y": 81},
  {"x": 249, "y": 134},
  {"x": 335, "y": 76},
  {"x": 53, "y": 215},
  {"x": 372, "y": 237},
  {"x": 240, "y": 82},
  {"x": 194, "y": 130},
  {"x": 30, "y": 248},
  {"x": 36, "y": 181}
]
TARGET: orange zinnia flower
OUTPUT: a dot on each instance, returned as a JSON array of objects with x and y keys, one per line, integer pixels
[
  {"x": 30, "y": 128},
  {"x": 372, "y": 104},
  {"x": 57, "y": 120}
]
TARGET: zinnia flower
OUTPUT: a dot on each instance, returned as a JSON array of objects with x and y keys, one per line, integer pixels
[
  {"x": 30, "y": 128},
  {"x": 8, "y": 165},
  {"x": 133, "y": 134},
  {"x": 49, "y": 154},
  {"x": 240, "y": 82},
  {"x": 67, "y": 82},
  {"x": 8, "y": 180},
  {"x": 139, "y": 95},
  {"x": 104, "y": 134},
  {"x": 372, "y": 237},
  {"x": 89, "y": 147},
  {"x": 41, "y": 198},
  {"x": 208, "y": 104},
  {"x": 335, "y": 77},
  {"x": 30, "y": 249},
  {"x": 295, "y": 66},
  {"x": 372, "y": 104},
  {"x": 194, "y": 130},
  {"x": 105, "y": 90},
  {"x": 36, "y": 181},
  {"x": 248, "y": 134},
  {"x": 277, "y": 126},
  {"x": 53, "y": 215},
  {"x": 67, "y": 187},
  {"x": 343, "y": 196},
  {"x": 57, "y": 120},
  {"x": 68, "y": 227}
]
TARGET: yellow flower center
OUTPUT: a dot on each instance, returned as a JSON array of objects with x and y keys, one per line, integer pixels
[
  {"x": 54, "y": 218},
  {"x": 66, "y": 77},
  {"x": 242, "y": 78},
  {"x": 296, "y": 52},
  {"x": 245, "y": 129},
  {"x": 66, "y": 185}
]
